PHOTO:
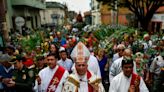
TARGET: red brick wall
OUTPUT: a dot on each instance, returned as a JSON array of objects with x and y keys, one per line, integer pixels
[{"x": 106, "y": 19}]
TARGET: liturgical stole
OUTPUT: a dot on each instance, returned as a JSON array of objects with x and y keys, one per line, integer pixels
[
  {"x": 90, "y": 88},
  {"x": 134, "y": 77},
  {"x": 55, "y": 79}
]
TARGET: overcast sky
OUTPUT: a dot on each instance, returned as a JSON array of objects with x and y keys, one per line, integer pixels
[{"x": 76, "y": 5}]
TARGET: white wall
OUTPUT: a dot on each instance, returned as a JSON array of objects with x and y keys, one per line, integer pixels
[
  {"x": 46, "y": 15},
  {"x": 159, "y": 17},
  {"x": 95, "y": 10}
]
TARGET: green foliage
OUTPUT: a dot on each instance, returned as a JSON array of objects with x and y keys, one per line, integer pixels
[
  {"x": 151, "y": 51},
  {"x": 79, "y": 25},
  {"x": 102, "y": 32},
  {"x": 105, "y": 34},
  {"x": 30, "y": 42},
  {"x": 112, "y": 32}
]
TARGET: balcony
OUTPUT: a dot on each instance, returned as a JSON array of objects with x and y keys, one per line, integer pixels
[{"x": 31, "y": 3}]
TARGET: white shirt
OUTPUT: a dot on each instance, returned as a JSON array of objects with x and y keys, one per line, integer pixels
[
  {"x": 116, "y": 68},
  {"x": 156, "y": 65},
  {"x": 121, "y": 83},
  {"x": 93, "y": 66},
  {"x": 115, "y": 57},
  {"x": 67, "y": 64},
  {"x": 147, "y": 45},
  {"x": 46, "y": 75}
]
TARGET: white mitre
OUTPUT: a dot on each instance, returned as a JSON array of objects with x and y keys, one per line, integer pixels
[{"x": 80, "y": 53}]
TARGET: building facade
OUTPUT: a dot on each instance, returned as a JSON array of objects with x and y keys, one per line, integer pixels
[
  {"x": 27, "y": 10},
  {"x": 157, "y": 22},
  {"x": 71, "y": 16},
  {"x": 54, "y": 14},
  {"x": 108, "y": 16},
  {"x": 87, "y": 18},
  {"x": 95, "y": 12}
]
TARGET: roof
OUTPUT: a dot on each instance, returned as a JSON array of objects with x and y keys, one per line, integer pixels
[
  {"x": 87, "y": 13},
  {"x": 54, "y": 5},
  {"x": 160, "y": 10}
]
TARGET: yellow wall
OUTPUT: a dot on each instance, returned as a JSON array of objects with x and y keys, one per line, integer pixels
[{"x": 106, "y": 15}]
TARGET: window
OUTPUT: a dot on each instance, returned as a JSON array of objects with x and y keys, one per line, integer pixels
[{"x": 162, "y": 17}]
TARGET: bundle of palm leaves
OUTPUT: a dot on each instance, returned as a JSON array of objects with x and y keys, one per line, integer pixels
[
  {"x": 30, "y": 42},
  {"x": 106, "y": 34}
]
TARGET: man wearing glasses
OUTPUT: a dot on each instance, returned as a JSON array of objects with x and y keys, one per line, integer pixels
[{"x": 116, "y": 65}]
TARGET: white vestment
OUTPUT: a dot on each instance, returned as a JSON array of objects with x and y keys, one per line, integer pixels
[
  {"x": 121, "y": 83},
  {"x": 116, "y": 68},
  {"x": 76, "y": 83},
  {"x": 46, "y": 75},
  {"x": 93, "y": 66}
]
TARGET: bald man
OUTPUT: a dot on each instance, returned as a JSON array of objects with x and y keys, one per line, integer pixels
[{"x": 116, "y": 65}]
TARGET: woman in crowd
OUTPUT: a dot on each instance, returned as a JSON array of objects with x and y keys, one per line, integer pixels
[{"x": 102, "y": 60}]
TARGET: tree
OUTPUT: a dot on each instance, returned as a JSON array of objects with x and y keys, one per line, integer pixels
[{"x": 143, "y": 9}]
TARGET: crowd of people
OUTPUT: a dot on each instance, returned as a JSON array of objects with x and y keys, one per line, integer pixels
[{"x": 68, "y": 64}]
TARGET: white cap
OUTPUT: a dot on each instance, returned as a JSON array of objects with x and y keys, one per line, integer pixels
[
  {"x": 80, "y": 53},
  {"x": 61, "y": 49},
  {"x": 5, "y": 57},
  {"x": 146, "y": 35}
]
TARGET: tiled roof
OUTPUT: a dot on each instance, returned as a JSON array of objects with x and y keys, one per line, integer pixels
[{"x": 160, "y": 10}]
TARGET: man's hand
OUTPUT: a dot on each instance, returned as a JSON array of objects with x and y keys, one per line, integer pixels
[
  {"x": 147, "y": 81},
  {"x": 6, "y": 80},
  {"x": 132, "y": 88},
  {"x": 38, "y": 80},
  {"x": 137, "y": 83},
  {"x": 11, "y": 84},
  {"x": 95, "y": 87}
]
